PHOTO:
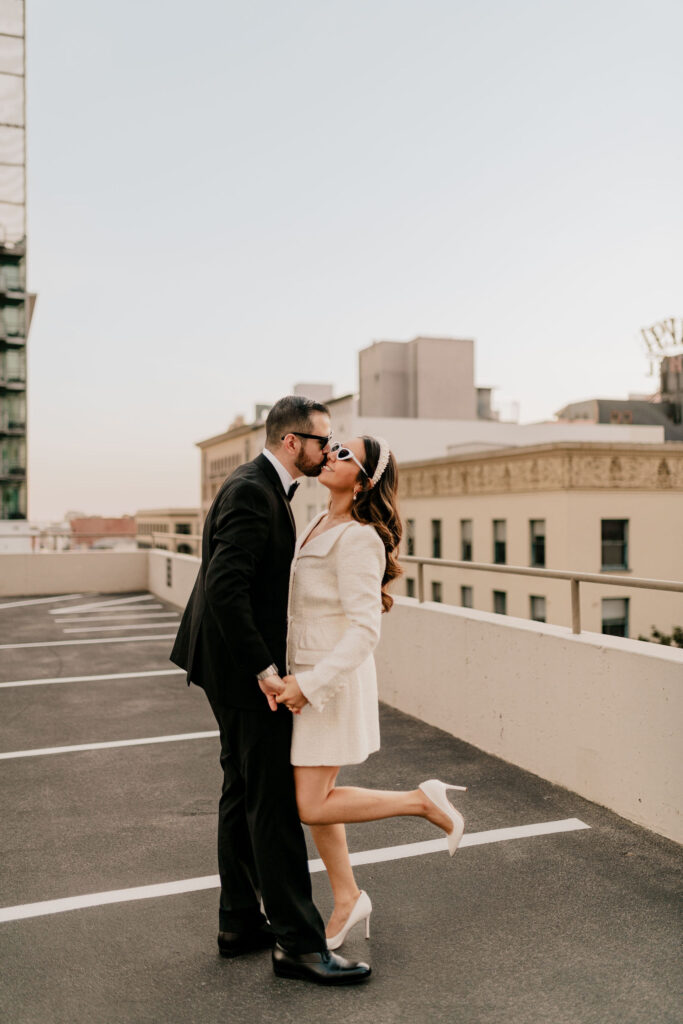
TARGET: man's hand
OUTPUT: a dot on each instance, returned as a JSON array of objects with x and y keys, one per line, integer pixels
[
  {"x": 271, "y": 686},
  {"x": 291, "y": 695}
]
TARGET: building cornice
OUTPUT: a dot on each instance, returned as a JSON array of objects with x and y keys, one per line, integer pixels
[{"x": 566, "y": 466}]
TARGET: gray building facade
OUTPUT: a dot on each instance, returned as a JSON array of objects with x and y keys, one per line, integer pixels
[
  {"x": 426, "y": 378},
  {"x": 15, "y": 303}
]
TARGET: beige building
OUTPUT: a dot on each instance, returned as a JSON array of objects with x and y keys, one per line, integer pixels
[
  {"x": 410, "y": 439},
  {"x": 167, "y": 528},
  {"x": 587, "y": 507}
]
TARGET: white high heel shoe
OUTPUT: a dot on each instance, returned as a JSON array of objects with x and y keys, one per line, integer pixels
[
  {"x": 362, "y": 909},
  {"x": 436, "y": 792}
]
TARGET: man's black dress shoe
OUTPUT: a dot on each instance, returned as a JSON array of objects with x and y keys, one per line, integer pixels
[
  {"x": 324, "y": 968},
  {"x": 236, "y": 943}
]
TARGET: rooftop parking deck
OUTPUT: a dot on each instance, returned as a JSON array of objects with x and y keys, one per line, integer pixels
[{"x": 554, "y": 909}]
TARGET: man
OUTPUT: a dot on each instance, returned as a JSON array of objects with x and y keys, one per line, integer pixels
[{"x": 232, "y": 642}]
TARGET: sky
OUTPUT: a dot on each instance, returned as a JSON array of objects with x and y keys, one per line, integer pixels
[{"x": 227, "y": 198}]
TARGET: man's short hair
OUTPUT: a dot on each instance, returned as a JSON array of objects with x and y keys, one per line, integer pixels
[{"x": 291, "y": 414}]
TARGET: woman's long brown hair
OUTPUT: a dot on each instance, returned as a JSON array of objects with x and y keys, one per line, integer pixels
[{"x": 378, "y": 507}]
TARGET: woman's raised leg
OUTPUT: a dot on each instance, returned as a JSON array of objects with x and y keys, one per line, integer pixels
[{"x": 320, "y": 802}]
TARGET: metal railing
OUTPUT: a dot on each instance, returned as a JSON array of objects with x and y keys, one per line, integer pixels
[
  {"x": 56, "y": 540},
  {"x": 191, "y": 540},
  {"x": 574, "y": 578},
  {"x": 51, "y": 539}
]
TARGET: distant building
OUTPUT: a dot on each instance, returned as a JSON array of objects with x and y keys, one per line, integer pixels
[
  {"x": 589, "y": 507},
  {"x": 426, "y": 378},
  {"x": 406, "y": 390},
  {"x": 627, "y": 411},
  {"x": 16, "y": 305},
  {"x": 18, "y": 537},
  {"x": 410, "y": 439},
  {"x": 101, "y": 533},
  {"x": 167, "y": 528},
  {"x": 664, "y": 342}
]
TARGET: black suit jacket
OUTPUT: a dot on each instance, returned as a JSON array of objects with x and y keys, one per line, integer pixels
[{"x": 235, "y": 623}]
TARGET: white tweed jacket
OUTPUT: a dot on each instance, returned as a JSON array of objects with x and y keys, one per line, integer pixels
[{"x": 334, "y": 614}]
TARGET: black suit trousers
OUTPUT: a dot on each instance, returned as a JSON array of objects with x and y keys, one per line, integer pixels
[{"x": 261, "y": 845}]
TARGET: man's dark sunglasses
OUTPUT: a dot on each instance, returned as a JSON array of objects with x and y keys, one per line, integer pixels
[{"x": 322, "y": 441}]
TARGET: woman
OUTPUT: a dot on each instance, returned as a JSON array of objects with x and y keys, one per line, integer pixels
[{"x": 342, "y": 565}]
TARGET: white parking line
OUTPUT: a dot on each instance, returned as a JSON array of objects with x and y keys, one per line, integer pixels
[
  {"x": 94, "y": 679},
  {"x": 85, "y": 617},
  {"x": 42, "y": 600},
  {"x": 103, "y": 640},
  {"x": 123, "y": 625},
  {"x": 41, "y": 751},
  {"x": 105, "y": 604},
  {"x": 387, "y": 853}
]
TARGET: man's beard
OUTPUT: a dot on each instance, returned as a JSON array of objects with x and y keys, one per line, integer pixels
[{"x": 308, "y": 468}]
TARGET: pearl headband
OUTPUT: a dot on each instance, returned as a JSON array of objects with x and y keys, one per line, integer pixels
[{"x": 382, "y": 462}]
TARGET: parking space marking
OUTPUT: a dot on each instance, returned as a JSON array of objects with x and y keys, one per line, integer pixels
[
  {"x": 105, "y": 604},
  {"x": 42, "y": 751},
  {"x": 42, "y": 600},
  {"x": 387, "y": 853},
  {"x": 94, "y": 679},
  {"x": 86, "y": 617},
  {"x": 99, "y": 640},
  {"x": 123, "y": 625}
]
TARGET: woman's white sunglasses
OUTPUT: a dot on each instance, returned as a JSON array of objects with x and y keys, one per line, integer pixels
[{"x": 343, "y": 454}]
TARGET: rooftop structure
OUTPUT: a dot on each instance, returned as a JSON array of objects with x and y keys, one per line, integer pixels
[
  {"x": 426, "y": 378},
  {"x": 664, "y": 344}
]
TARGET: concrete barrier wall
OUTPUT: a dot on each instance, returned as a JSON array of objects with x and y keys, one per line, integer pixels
[
  {"x": 599, "y": 715},
  {"x": 171, "y": 577},
  {"x": 63, "y": 572}
]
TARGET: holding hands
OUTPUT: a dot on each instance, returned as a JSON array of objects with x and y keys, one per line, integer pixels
[
  {"x": 271, "y": 686},
  {"x": 290, "y": 695}
]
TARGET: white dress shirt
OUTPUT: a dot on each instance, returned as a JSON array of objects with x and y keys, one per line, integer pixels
[{"x": 286, "y": 477}]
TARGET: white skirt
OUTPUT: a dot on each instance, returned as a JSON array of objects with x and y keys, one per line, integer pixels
[{"x": 346, "y": 731}]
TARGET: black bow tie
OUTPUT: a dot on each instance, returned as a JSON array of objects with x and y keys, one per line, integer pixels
[{"x": 292, "y": 490}]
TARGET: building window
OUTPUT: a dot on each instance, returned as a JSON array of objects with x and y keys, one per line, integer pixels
[
  {"x": 500, "y": 602},
  {"x": 410, "y": 586},
  {"x": 15, "y": 320},
  {"x": 537, "y": 536},
  {"x": 12, "y": 272},
  {"x": 466, "y": 597},
  {"x": 615, "y": 616},
  {"x": 436, "y": 538},
  {"x": 499, "y": 538},
  {"x": 615, "y": 543},
  {"x": 437, "y": 593},
  {"x": 466, "y": 540},
  {"x": 537, "y": 608},
  {"x": 410, "y": 536}
]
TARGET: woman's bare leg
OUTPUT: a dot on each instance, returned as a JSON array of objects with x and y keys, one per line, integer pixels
[
  {"x": 321, "y": 803},
  {"x": 331, "y": 843}
]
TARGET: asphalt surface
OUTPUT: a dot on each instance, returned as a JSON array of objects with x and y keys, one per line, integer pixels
[{"x": 581, "y": 926}]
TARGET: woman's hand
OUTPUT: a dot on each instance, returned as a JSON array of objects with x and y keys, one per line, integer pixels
[{"x": 291, "y": 696}]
